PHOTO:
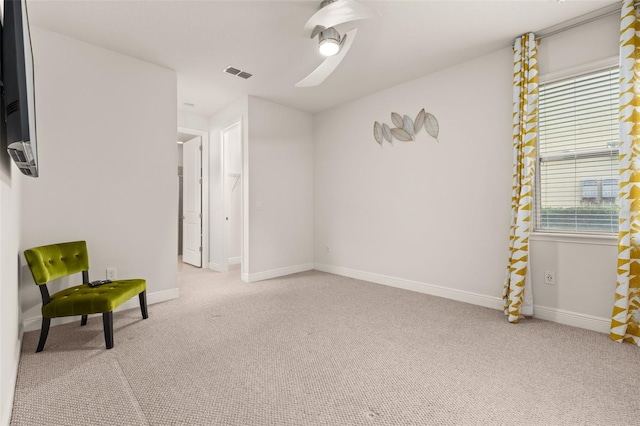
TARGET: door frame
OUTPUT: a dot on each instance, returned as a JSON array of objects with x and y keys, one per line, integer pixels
[{"x": 204, "y": 188}]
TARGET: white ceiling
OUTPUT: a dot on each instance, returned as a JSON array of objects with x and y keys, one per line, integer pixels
[{"x": 199, "y": 39}]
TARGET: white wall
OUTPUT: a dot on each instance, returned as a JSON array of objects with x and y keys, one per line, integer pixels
[
  {"x": 107, "y": 150},
  {"x": 434, "y": 217},
  {"x": 277, "y": 150},
  {"x": 192, "y": 121},
  {"x": 10, "y": 318},
  {"x": 425, "y": 213},
  {"x": 280, "y": 203}
]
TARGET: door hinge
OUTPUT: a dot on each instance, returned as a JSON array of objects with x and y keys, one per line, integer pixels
[
  {"x": 200, "y": 147},
  {"x": 200, "y": 215},
  {"x": 200, "y": 249},
  {"x": 200, "y": 181}
]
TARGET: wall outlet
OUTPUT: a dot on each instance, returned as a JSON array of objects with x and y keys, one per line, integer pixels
[
  {"x": 111, "y": 273},
  {"x": 549, "y": 277}
]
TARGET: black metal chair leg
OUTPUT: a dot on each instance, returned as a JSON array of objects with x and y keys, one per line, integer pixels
[
  {"x": 143, "y": 304},
  {"x": 84, "y": 320},
  {"x": 44, "y": 332},
  {"x": 107, "y": 322}
]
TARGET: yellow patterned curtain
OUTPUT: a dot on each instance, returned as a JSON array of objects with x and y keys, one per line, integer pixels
[
  {"x": 517, "y": 294},
  {"x": 625, "y": 321}
]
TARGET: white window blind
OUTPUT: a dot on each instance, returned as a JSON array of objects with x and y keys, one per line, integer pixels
[{"x": 577, "y": 173}]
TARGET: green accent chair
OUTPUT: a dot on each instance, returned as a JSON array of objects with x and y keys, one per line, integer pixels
[{"x": 55, "y": 261}]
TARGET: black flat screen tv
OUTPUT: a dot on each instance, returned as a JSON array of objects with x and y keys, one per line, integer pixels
[{"x": 18, "y": 91}]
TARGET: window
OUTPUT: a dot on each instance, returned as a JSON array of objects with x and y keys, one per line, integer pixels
[{"x": 577, "y": 173}]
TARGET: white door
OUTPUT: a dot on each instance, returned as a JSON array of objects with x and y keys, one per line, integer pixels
[{"x": 192, "y": 202}]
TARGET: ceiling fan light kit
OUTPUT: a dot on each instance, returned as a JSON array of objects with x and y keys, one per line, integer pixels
[
  {"x": 329, "y": 42},
  {"x": 333, "y": 13}
]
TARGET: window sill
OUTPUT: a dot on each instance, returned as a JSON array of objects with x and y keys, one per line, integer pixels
[{"x": 570, "y": 238}]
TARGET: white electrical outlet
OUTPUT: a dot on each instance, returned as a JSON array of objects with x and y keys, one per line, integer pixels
[
  {"x": 549, "y": 277},
  {"x": 111, "y": 273}
]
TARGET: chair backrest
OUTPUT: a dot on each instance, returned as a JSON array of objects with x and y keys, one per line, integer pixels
[{"x": 57, "y": 260}]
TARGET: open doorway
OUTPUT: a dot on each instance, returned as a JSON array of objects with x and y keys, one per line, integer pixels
[{"x": 232, "y": 183}]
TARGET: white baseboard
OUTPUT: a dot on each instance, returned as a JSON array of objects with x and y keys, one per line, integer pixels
[
  {"x": 431, "y": 289},
  {"x": 559, "y": 316},
  {"x": 7, "y": 404},
  {"x": 34, "y": 323},
  {"x": 235, "y": 260},
  {"x": 215, "y": 266},
  {"x": 275, "y": 273},
  {"x": 574, "y": 319}
]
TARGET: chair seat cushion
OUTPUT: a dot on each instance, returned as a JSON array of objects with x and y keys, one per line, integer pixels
[{"x": 84, "y": 300}]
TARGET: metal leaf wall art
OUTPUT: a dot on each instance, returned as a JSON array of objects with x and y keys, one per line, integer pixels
[{"x": 405, "y": 128}]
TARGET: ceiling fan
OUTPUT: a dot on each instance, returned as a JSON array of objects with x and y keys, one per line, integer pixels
[{"x": 333, "y": 13}]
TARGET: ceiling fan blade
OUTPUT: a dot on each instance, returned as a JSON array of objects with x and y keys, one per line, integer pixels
[
  {"x": 339, "y": 12},
  {"x": 325, "y": 69}
]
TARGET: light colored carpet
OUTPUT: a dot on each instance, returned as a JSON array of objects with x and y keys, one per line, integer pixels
[{"x": 319, "y": 349}]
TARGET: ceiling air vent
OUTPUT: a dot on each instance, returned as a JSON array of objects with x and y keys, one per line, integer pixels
[{"x": 237, "y": 72}]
